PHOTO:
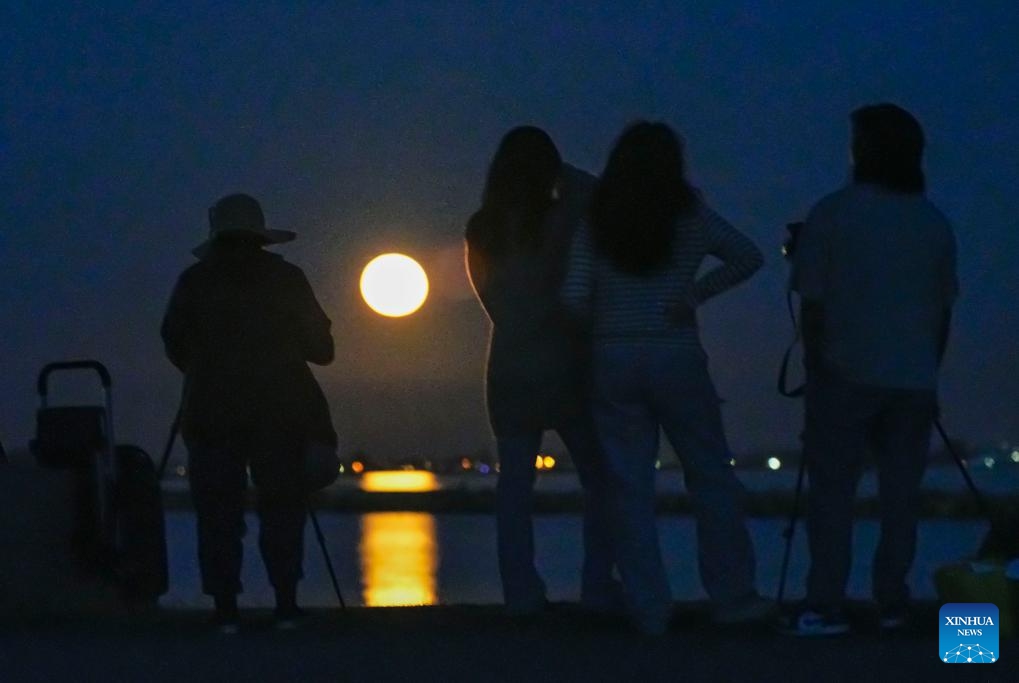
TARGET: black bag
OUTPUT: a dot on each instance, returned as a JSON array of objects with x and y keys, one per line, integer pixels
[
  {"x": 68, "y": 437},
  {"x": 140, "y": 562},
  {"x": 321, "y": 461},
  {"x": 321, "y": 465}
]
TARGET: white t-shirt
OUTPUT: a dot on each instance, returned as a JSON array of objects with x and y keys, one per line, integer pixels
[{"x": 883, "y": 265}]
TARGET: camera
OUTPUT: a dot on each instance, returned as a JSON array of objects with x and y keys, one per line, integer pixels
[{"x": 789, "y": 245}]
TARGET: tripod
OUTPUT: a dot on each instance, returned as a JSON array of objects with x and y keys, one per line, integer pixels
[
  {"x": 172, "y": 439},
  {"x": 790, "y": 529},
  {"x": 981, "y": 503}
]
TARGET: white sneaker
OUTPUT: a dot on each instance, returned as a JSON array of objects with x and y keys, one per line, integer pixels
[{"x": 808, "y": 623}]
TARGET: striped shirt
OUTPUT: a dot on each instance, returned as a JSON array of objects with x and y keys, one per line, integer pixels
[{"x": 627, "y": 307}]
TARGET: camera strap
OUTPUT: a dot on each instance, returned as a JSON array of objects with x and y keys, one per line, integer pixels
[{"x": 783, "y": 371}]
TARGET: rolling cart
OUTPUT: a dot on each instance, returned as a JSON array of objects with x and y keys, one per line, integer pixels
[{"x": 119, "y": 530}]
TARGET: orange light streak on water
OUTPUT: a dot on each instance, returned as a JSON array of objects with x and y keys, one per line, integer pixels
[{"x": 399, "y": 559}]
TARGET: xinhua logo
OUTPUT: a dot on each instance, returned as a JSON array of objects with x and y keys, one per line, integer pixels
[{"x": 968, "y": 633}]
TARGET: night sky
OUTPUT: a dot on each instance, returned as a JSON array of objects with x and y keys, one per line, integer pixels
[{"x": 368, "y": 128}]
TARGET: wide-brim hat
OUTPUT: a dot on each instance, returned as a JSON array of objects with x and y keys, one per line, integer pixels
[{"x": 239, "y": 213}]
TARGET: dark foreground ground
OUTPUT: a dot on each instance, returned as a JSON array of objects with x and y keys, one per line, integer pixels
[{"x": 469, "y": 644}]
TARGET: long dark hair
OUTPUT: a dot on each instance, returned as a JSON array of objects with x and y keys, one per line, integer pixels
[
  {"x": 518, "y": 193},
  {"x": 641, "y": 193},
  {"x": 888, "y": 148}
]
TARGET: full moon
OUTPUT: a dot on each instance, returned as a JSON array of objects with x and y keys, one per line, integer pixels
[{"x": 394, "y": 285}]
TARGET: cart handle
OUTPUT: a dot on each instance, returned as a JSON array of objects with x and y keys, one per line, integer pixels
[
  {"x": 49, "y": 368},
  {"x": 106, "y": 472}
]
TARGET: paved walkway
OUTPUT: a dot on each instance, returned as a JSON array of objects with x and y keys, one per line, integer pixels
[{"x": 469, "y": 644}]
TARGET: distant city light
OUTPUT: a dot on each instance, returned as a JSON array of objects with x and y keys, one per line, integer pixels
[
  {"x": 465, "y": 463},
  {"x": 732, "y": 462},
  {"x": 658, "y": 464},
  {"x": 1015, "y": 456},
  {"x": 988, "y": 463},
  {"x": 774, "y": 463},
  {"x": 182, "y": 471},
  {"x": 484, "y": 469},
  {"x": 342, "y": 468},
  {"x": 541, "y": 462},
  {"x": 357, "y": 467}
]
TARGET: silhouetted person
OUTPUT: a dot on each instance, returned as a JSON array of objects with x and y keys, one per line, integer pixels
[
  {"x": 634, "y": 271},
  {"x": 242, "y": 324},
  {"x": 875, "y": 270},
  {"x": 517, "y": 244}
]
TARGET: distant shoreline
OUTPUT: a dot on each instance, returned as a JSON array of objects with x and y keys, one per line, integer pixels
[{"x": 933, "y": 504}]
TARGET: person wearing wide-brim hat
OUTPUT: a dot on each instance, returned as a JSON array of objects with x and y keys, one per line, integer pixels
[
  {"x": 240, "y": 216},
  {"x": 242, "y": 325}
]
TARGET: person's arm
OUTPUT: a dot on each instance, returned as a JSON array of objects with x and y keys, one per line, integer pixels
[
  {"x": 950, "y": 289},
  {"x": 577, "y": 292},
  {"x": 740, "y": 259},
  {"x": 313, "y": 325},
  {"x": 808, "y": 279},
  {"x": 946, "y": 329},
  {"x": 176, "y": 326}
]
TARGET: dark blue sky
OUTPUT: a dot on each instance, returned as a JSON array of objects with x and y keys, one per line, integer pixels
[{"x": 368, "y": 128}]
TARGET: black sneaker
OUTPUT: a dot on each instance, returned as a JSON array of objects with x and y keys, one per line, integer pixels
[
  {"x": 527, "y": 610},
  {"x": 227, "y": 618},
  {"x": 288, "y": 618},
  {"x": 893, "y": 617},
  {"x": 811, "y": 623},
  {"x": 750, "y": 610},
  {"x": 227, "y": 623},
  {"x": 605, "y": 599}
]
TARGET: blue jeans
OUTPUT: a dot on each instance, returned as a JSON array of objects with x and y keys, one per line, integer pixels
[
  {"x": 523, "y": 589},
  {"x": 843, "y": 421},
  {"x": 638, "y": 388}
]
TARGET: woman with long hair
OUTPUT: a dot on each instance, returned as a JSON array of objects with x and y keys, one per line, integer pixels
[
  {"x": 634, "y": 273},
  {"x": 517, "y": 244}
]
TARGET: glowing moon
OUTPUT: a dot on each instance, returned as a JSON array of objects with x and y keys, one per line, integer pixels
[{"x": 394, "y": 285}]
